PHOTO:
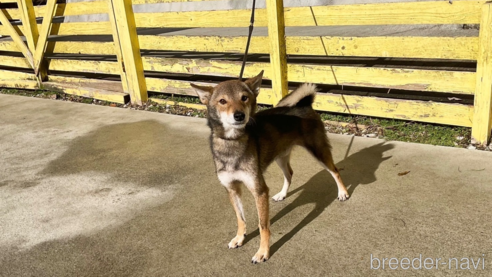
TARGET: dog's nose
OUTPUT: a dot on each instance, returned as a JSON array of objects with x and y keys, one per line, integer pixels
[{"x": 239, "y": 116}]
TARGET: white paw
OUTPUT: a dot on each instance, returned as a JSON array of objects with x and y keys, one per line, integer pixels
[
  {"x": 343, "y": 195},
  {"x": 279, "y": 196},
  {"x": 261, "y": 256},
  {"x": 236, "y": 242}
]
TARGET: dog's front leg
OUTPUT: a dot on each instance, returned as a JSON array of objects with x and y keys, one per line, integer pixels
[
  {"x": 235, "y": 197},
  {"x": 260, "y": 192}
]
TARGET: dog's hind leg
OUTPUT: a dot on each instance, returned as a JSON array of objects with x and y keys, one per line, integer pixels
[
  {"x": 342, "y": 190},
  {"x": 284, "y": 164},
  {"x": 235, "y": 197},
  {"x": 321, "y": 150}
]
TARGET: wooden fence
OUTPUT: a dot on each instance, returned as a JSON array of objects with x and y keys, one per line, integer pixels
[{"x": 43, "y": 54}]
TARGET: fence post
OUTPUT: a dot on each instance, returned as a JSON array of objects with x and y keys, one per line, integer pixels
[
  {"x": 117, "y": 47},
  {"x": 278, "y": 58},
  {"x": 29, "y": 23},
  {"x": 482, "y": 121},
  {"x": 16, "y": 38},
  {"x": 128, "y": 50},
  {"x": 40, "y": 64}
]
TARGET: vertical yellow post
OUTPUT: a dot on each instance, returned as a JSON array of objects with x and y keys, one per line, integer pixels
[
  {"x": 12, "y": 32},
  {"x": 117, "y": 47},
  {"x": 482, "y": 121},
  {"x": 126, "y": 32},
  {"x": 278, "y": 58},
  {"x": 40, "y": 64},
  {"x": 29, "y": 23}
]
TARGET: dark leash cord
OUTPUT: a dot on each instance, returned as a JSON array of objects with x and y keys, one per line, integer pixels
[
  {"x": 251, "y": 26},
  {"x": 252, "y": 21}
]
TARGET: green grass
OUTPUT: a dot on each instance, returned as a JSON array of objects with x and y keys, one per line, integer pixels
[
  {"x": 179, "y": 98},
  {"x": 400, "y": 130}
]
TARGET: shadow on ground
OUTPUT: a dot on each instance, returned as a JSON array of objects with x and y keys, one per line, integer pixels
[
  {"x": 357, "y": 169},
  {"x": 140, "y": 152}
]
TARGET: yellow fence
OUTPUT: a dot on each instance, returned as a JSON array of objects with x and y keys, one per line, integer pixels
[{"x": 39, "y": 54}]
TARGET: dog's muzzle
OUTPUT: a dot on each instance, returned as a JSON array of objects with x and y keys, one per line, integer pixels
[{"x": 239, "y": 116}]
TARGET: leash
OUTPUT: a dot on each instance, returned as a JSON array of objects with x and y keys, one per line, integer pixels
[{"x": 251, "y": 22}]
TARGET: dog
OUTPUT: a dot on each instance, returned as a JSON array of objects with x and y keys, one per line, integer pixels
[{"x": 244, "y": 143}]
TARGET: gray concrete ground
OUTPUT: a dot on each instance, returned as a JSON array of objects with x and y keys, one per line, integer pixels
[{"x": 98, "y": 191}]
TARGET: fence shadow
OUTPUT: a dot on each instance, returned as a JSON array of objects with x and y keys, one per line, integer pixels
[{"x": 321, "y": 189}]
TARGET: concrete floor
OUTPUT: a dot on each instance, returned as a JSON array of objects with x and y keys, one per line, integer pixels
[{"x": 97, "y": 191}]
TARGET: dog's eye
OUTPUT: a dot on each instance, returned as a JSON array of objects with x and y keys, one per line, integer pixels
[
  {"x": 244, "y": 98},
  {"x": 222, "y": 101}
]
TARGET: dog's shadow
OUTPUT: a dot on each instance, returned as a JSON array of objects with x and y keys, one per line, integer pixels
[{"x": 321, "y": 189}]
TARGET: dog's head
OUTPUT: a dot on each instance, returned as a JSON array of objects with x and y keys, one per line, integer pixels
[{"x": 231, "y": 103}]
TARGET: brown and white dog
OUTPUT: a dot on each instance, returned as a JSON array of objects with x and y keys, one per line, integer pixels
[{"x": 244, "y": 143}]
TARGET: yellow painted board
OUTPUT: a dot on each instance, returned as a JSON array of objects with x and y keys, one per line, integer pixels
[
  {"x": 4, "y": 31},
  {"x": 8, "y": 46},
  {"x": 103, "y": 67},
  {"x": 394, "y": 78},
  {"x": 66, "y": 9},
  {"x": 109, "y": 85},
  {"x": 465, "y": 48},
  {"x": 424, "y": 111},
  {"x": 84, "y": 47},
  {"x": 428, "y": 12},
  {"x": 84, "y": 28},
  {"x": 16, "y": 75},
  {"x": 74, "y": 80},
  {"x": 76, "y": 28},
  {"x": 19, "y": 84},
  {"x": 460, "y": 48},
  {"x": 90, "y": 92},
  {"x": 170, "y": 102},
  {"x": 172, "y": 86},
  {"x": 201, "y": 19},
  {"x": 482, "y": 120},
  {"x": 204, "y": 43},
  {"x": 184, "y": 88},
  {"x": 70, "y": 47},
  {"x": 14, "y": 62},
  {"x": 205, "y": 67},
  {"x": 102, "y": 84}
]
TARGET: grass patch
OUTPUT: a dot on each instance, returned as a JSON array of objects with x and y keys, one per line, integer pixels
[
  {"x": 179, "y": 98},
  {"x": 398, "y": 130}
]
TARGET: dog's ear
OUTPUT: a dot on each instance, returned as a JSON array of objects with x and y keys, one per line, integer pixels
[
  {"x": 204, "y": 92},
  {"x": 255, "y": 83}
]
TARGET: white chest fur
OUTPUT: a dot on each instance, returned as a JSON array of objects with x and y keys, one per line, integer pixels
[{"x": 228, "y": 177}]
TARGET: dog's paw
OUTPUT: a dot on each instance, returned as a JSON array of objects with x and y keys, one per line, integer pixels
[
  {"x": 343, "y": 195},
  {"x": 237, "y": 242},
  {"x": 279, "y": 196},
  {"x": 261, "y": 256}
]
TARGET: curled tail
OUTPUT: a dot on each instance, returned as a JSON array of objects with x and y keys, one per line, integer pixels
[{"x": 301, "y": 97}]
